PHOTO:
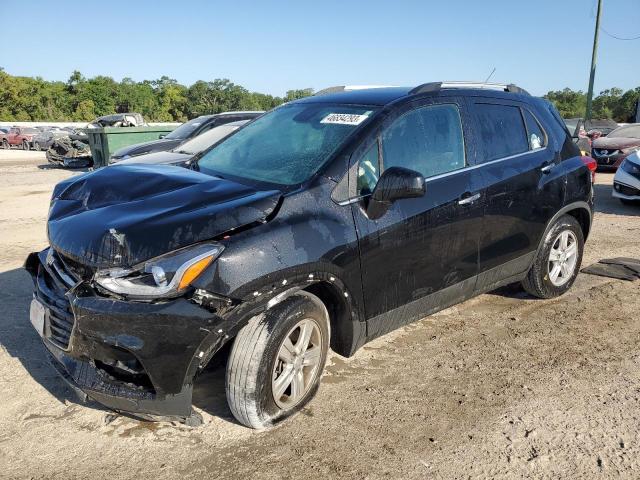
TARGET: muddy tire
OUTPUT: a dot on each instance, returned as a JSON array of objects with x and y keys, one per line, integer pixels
[
  {"x": 558, "y": 260},
  {"x": 25, "y": 145},
  {"x": 276, "y": 361},
  {"x": 5, "y": 145}
]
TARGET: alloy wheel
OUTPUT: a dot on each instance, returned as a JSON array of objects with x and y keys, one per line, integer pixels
[
  {"x": 297, "y": 364},
  {"x": 563, "y": 258}
]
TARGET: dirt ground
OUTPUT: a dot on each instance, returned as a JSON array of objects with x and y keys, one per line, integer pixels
[{"x": 502, "y": 386}]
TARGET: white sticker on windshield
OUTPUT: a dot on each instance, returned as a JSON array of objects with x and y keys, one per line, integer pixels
[{"x": 345, "y": 118}]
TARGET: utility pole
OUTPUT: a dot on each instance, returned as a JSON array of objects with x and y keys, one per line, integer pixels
[{"x": 594, "y": 55}]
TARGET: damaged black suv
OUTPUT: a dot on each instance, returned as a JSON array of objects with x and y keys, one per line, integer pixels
[{"x": 322, "y": 224}]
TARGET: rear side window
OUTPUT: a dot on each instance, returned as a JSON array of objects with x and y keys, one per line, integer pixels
[
  {"x": 428, "y": 140},
  {"x": 535, "y": 134},
  {"x": 502, "y": 130}
]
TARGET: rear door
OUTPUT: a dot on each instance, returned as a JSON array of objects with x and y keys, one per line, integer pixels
[
  {"x": 423, "y": 252},
  {"x": 522, "y": 187}
]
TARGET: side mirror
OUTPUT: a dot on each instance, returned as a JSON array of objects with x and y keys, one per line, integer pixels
[
  {"x": 162, "y": 135},
  {"x": 394, "y": 184}
]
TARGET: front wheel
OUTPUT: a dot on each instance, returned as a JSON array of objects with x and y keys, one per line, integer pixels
[
  {"x": 558, "y": 260},
  {"x": 276, "y": 361},
  {"x": 5, "y": 145},
  {"x": 36, "y": 146}
]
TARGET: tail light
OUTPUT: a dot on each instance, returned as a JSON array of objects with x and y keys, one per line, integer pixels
[{"x": 592, "y": 165}]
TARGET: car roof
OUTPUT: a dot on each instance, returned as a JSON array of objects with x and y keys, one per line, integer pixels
[
  {"x": 365, "y": 96},
  {"x": 380, "y": 96}
]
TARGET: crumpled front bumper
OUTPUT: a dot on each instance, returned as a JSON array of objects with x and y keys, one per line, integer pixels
[{"x": 134, "y": 357}]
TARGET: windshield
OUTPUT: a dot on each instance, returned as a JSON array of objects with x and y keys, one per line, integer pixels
[
  {"x": 287, "y": 145},
  {"x": 629, "y": 131},
  {"x": 206, "y": 139},
  {"x": 186, "y": 129}
]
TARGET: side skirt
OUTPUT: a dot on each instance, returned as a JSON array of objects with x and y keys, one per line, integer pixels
[{"x": 512, "y": 271}]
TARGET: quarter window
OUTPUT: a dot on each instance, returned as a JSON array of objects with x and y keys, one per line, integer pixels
[
  {"x": 502, "y": 130},
  {"x": 535, "y": 134},
  {"x": 368, "y": 170},
  {"x": 428, "y": 140}
]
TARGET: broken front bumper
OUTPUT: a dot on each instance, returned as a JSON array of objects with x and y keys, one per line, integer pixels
[{"x": 134, "y": 357}]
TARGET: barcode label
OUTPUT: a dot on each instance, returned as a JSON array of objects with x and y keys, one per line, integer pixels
[{"x": 344, "y": 118}]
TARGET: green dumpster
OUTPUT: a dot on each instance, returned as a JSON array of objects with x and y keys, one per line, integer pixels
[{"x": 103, "y": 141}]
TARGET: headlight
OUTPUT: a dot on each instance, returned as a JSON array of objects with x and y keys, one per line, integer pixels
[
  {"x": 161, "y": 277},
  {"x": 630, "y": 167}
]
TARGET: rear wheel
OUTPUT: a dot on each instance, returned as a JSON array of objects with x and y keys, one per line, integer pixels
[
  {"x": 25, "y": 145},
  {"x": 558, "y": 260},
  {"x": 277, "y": 360}
]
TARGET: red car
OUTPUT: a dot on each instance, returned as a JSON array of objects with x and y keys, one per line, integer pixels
[
  {"x": 18, "y": 137},
  {"x": 611, "y": 150}
]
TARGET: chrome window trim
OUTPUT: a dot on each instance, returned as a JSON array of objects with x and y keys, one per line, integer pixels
[{"x": 357, "y": 198}]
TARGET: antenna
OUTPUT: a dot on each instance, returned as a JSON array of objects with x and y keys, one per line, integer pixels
[{"x": 490, "y": 75}]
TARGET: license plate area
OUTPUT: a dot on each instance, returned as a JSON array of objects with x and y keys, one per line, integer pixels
[{"x": 37, "y": 315}]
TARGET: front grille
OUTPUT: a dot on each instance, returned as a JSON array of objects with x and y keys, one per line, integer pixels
[
  {"x": 625, "y": 189},
  {"x": 601, "y": 152},
  {"x": 53, "y": 283}
]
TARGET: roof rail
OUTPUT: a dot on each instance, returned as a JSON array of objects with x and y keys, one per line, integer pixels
[
  {"x": 437, "y": 86},
  {"x": 347, "y": 88}
]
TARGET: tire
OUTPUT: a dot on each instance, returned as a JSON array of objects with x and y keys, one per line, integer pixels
[
  {"x": 255, "y": 363},
  {"x": 539, "y": 281},
  {"x": 25, "y": 145},
  {"x": 5, "y": 145},
  {"x": 36, "y": 146}
]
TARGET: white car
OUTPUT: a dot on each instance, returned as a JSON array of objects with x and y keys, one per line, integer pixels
[
  {"x": 185, "y": 152},
  {"x": 626, "y": 183}
]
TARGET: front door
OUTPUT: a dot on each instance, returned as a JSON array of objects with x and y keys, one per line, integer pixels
[{"x": 422, "y": 254}]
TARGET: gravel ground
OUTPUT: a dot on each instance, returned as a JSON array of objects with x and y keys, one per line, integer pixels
[{"x": 501, "y": 386}]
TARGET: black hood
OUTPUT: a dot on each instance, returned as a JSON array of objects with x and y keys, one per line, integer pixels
[
  {"x": 161, "y": 145},
  {"x": 123, "y": 215}
]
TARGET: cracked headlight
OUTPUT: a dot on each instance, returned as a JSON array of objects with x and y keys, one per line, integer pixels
[{"x": 166, "y": 276}]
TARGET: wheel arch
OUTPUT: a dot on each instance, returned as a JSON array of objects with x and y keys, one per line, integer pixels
[{"x": 581, "y": 211}]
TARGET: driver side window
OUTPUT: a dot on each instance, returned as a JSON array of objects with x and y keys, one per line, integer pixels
[{"x": 428, "y": 140}]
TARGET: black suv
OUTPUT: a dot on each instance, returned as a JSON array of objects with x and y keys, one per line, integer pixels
[{"x": 324, "y": 223}]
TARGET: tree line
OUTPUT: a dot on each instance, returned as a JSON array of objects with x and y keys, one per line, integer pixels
[{"x": 82, "y": 99}]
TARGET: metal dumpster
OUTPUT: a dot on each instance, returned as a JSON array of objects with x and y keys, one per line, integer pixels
[{"x": 103, "y": 141}]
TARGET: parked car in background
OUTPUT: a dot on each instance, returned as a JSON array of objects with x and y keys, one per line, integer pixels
[
  {"x": 184, "y": 153},
  {"x": 579, "y": 134},
  {"x": 184, "y": 132},
  {"x": 600, "y": 128},
  {"x": 611, "y": 150},
  {"x": 45, "y": 139},
  {"x": 18, "y": 137},
  {"x": 118, "y": 120},
  {"x": 284, "y": 239},
  {"x": 626, "y": 182}
]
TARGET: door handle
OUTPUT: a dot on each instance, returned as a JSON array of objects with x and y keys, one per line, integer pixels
[
  {"x": 547, "y": 168},
  {"x": 469, "y": 199}
]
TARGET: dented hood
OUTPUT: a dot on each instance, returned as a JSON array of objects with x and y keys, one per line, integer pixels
[{"x": 123, "y": 215}]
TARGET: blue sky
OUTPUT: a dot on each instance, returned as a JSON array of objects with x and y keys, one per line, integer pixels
[{"x": 275, "y": 46}]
